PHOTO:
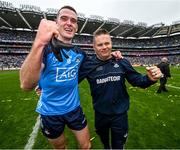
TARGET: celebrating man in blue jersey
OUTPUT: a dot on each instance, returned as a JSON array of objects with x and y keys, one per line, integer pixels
[
  {"x": 56, "y": 73},
  {"x": 106, "y": 77}
]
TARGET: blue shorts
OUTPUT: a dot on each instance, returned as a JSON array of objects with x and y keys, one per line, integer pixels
[{"x": 53, "y": 126}]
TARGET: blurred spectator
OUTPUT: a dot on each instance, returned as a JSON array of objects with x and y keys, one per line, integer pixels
[{"x": 164, "y": 67}]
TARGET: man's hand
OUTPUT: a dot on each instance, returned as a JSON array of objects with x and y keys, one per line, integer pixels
[
  {"x": 37, "y": 90},
  {"x": 154, "y": 73},
  {"x": 117, "y": 55},
  {"x": 46, "y": 30}
]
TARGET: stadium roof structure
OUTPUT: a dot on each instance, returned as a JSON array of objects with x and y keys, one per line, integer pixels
[{"x": 28, "y": 17}]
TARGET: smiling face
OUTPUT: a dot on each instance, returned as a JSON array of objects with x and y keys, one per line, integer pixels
[
  {"x": 67, "y": 25},
  {"x": 103, "y": 46}
]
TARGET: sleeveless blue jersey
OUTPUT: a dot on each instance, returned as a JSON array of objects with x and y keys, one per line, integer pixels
[{"x": 59, "y": 83}]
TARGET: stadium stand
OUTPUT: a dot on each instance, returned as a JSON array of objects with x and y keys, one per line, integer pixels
[{"x": 141, "y": 44}]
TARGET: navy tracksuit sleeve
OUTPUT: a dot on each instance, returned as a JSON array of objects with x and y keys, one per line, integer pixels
[{"x": 134, "y": 77}]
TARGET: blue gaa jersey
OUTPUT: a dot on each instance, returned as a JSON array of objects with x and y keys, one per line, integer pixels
[{"x": 59, "y": 82}]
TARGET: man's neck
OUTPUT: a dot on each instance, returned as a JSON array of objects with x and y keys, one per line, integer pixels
[
  {"x": 65, "y": 40},
  {"x": 104, "y": 58}
]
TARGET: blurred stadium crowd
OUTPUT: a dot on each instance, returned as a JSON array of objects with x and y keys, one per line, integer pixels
[{"x": 141, "y": 44}]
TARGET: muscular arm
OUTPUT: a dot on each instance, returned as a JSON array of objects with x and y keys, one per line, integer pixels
[{"x": 31, "y": 68}]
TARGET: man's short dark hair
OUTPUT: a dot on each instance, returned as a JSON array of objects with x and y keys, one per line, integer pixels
[
  {"x": 67, "y": 7},
  {"x": 100, "y": 32}
]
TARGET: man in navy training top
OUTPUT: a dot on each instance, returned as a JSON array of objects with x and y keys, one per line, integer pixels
[
  {"x": 106, "y": 77},
  {"x": 59, "y": 103}
]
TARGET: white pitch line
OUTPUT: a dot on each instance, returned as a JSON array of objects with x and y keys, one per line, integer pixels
[
  {"x": 173, "y": 86},
  {"x": 33, "y": 135}
]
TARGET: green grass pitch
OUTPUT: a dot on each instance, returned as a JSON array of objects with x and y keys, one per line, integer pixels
[{"x": 154, "y": 119}]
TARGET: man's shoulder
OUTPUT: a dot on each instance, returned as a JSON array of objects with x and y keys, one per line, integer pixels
[
  {"x": 91, "y": 59},
  {"x": 123, "y": 61},
  {"x": 78, "y": 50},
  {"x": 162, "y": 64}
]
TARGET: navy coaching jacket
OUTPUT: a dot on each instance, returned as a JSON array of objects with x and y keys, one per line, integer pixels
[{"x": 107, "y": 83}]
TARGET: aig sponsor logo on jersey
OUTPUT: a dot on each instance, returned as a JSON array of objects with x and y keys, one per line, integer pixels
[{"x": 66, "y": 74}]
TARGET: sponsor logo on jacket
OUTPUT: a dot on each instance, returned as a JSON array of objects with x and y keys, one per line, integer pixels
[{"x": 108, "y": 79}]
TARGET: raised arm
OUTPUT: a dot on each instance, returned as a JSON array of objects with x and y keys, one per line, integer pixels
[
  {"x": 31, "y": 68},
  {"x": 140, "y": 80}
]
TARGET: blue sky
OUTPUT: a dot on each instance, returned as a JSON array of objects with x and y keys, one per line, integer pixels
[{"x": 148, "y": 11}]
